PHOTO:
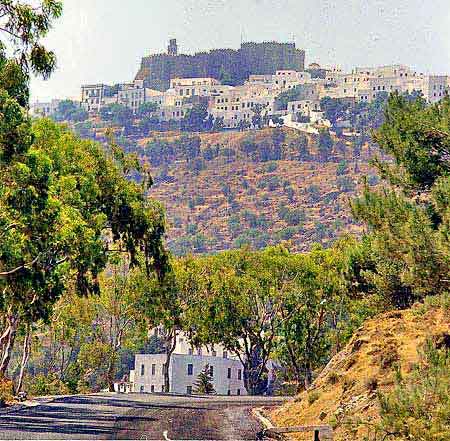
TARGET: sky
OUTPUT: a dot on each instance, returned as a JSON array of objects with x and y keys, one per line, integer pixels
[{"x": 103, "y": 41}]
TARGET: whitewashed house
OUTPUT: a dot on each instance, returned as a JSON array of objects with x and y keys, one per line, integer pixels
[{"x": 185, "y": 366}]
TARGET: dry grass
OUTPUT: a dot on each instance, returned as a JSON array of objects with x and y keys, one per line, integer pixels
[{"x": 366, "y": 365}]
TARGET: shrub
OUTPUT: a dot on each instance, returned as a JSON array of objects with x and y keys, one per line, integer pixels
[
  {"x": 313, "y": 191},
  {"x": 333, "y": 378},
  {"x": 345, "y": 183},
  {"x": 313, "y": 397},
  {"x": 290, "y": 193},
  {"x": 342, "y": 168},
  {"x": 373, "y": 180},
  {"x": 6, "y": 391},
  {"x": 270, "y": 167},
  {"x": 371, "y": 384},
  {"x": 49, "y": 384},
  {"x": 293, "y": 217},
  {"x": 419, "y": 406},
  {"x": 191, "y": 229}
]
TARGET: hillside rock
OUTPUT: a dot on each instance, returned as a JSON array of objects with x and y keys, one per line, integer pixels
[{"x": 346, "y": 390}]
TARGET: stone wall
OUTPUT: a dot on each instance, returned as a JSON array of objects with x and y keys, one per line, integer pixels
[{"x": 227, "y": 65}]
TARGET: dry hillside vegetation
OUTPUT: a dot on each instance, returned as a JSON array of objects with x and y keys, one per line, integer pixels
[
  {"x": 346, "y": 390},
  {"x": 234, "y": 199}
]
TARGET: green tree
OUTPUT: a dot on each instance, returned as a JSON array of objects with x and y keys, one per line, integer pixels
[
  {"x": 204, "y": 383},
  {"x": 118, "y": 114},
  {"x": 334, "y": 109},
  {"x": 147, "y": 110},
  {"x": 408, "y": 217},
  {"x": 68, "y": 110},
  {"x": 195, "y": 118},
  {"x": 236, "y": 304},
  {"x": 419, "y": 405},
  {"x": 324, "y": 145},
  {"x": 313, "y": 290}
]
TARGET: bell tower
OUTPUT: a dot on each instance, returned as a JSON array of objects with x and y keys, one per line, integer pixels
[{"x": 172, "y": 49}]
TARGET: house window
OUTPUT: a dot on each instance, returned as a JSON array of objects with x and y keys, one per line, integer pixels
[
  {"x": 142, "y": 370},
  {"x": 142, "y": 389},
  {"x": 152, "y": 389},
  {"x": 229, "y": 392},
  {"x": 190, "y": 351},
  {"x": 153, "y": 369},
  {"x": 190, "y": 369},
  {"x": 225, "y": 354},
  {"x": 229, "y": 373},
  {"x": 211, "y": 371},
  {"x": 189, "y": 390},
  {"x": 239, "y": 374},
  {"x": 239, "y": 391}
]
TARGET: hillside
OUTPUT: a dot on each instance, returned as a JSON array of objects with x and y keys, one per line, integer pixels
[
  {"x": 231, "y": 194},
  {"x": 346, "y": 390}
]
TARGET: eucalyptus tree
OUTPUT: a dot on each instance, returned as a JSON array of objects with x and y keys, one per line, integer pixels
[{"x": 65, "y": 204}]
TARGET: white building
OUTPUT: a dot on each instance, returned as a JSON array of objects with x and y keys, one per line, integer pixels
[
  {"x": 185, "y": 366},
  {"x": 44, "y": 109}
]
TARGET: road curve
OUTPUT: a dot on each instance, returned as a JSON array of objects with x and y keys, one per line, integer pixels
[{"x": 136, "y": 416}]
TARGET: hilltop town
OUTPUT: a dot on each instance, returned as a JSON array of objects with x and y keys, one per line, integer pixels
[
  {"x": 271, "y": 90},
  {"x": 270, "y": 156}
]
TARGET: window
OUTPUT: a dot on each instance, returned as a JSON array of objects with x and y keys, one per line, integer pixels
[
  {"x": 152, "y": 389},
  {"x": 190, "y": 369},
  {"x": 229, "y": 373},
  {"x": 190, "y": 351},
  {"x": 239, "y": 374},
  {"x": 239, "y": 391},
  {"x": 214, "y": 353},
  {"x": 229, "y": 392},
  {"x": 162, "y": 388},
  {"x": 211, "y": 371},
  {"x": 153, "y": 369},
  {"x": 142, "y": 389},
  {"x": 225, "y": 354},
  {"x": 142, "y": 370},
  {"x": 189, "y": 390}
]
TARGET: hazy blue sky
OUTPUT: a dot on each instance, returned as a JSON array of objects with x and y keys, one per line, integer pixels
[{"x": 104, "y": 40}]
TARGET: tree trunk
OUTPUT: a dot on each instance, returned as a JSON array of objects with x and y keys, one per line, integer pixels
[
  {"x": 25, "y": 358},
  {"x": 110, "y": 376},
  {"x": 7, "y": 349},
  {"x": 308, "y": 375},
  {"x": 170, "y": 348}
]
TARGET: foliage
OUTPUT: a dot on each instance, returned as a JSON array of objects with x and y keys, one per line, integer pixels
[
  {"x": 324, "y": 145},
  {"x": 6, "y": 391},
  {"x": 408, "y": 218},
  {"x": 42, "y": 385},
  {"x": 204, "y": 383},
  {"x": 67, "y": 110},
  {"x": 419, "y": 406},
  {"x": 26, "y": 25},
  {"x": 118, "y": 114},
  {"x": 282, "y": 100},
  {"x": 196, "y": 119},
  {"x": 146, "y": 110}
]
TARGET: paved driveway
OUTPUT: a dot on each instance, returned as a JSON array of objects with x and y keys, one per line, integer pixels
[{"x": 135, "y": 416}]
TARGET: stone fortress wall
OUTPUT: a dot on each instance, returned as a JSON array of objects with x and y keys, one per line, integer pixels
[{"x": 227, "y": 65}]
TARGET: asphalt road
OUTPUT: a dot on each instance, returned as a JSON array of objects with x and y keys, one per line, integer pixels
[{"x": 136, "y": 416}]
